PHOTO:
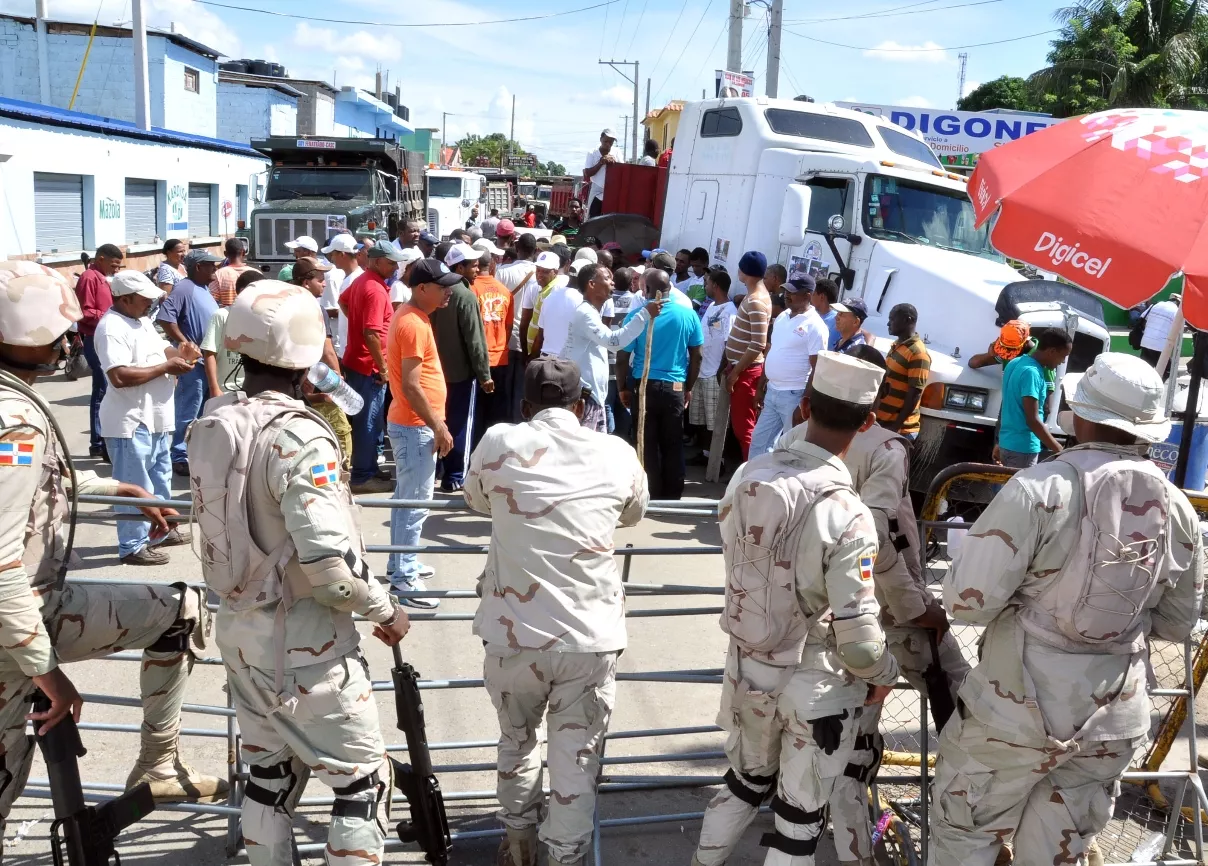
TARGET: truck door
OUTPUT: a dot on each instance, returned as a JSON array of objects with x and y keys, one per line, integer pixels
[
  {"x": 832, "y": 195},
  {"x": 700, "y": 210}
]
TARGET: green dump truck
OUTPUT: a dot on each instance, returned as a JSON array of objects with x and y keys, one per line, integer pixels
[{"x": 320, "y": 187}]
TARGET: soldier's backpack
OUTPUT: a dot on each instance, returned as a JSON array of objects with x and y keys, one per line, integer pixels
[
  {"x": 231, "y": 437},
  {"x": 762, "y": 520},
  {"x": 1096, "y": 602}
]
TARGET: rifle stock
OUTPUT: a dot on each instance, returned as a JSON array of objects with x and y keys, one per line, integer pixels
[
  {"x": 83, "y": 835},
  {"x": 939, "y": 691},
  {"x": 429, "y": 825}
]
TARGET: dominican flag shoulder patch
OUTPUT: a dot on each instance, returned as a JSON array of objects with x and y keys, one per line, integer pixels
[
  {"x": 323, "y": 474},
  {"x": 16, "y": 454},
  {"x": 866, "y": 567}
]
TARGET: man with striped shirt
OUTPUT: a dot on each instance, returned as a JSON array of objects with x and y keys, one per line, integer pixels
[
  {"x": 908, "y": 365},
  {"x": 745, "y": 347}
]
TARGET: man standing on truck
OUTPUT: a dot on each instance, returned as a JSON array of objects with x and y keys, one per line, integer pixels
[
  {"x": 908, "y": 364},
  {"x": 1053, "y": 713},
  {"x": 595, "y": 171},
  {"x": 745, "y": 348}
]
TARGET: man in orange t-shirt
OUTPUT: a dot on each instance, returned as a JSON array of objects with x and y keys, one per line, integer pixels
[
  {"x": 497, "y": 305},
  {"x": 416, "y": 419}
]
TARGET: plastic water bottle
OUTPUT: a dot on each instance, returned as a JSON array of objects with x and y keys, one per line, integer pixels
[
  {"x": 333, "y": 385},
  {"x": 1150, "y": 848}
]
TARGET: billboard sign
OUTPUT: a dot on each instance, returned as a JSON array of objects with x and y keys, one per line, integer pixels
[
  {"x": 731, "y": 84},
  {"x": 958, "y": 136}
]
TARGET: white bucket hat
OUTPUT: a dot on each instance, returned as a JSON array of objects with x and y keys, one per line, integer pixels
[{"x": 1123, "y": 392}]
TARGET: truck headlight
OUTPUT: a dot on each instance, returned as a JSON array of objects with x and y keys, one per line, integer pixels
[{"x": 966, "y": 399}]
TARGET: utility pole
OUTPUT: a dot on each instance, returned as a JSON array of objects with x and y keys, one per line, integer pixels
[
  {"x": 960, "y": 86},
  {"x": 41, "y": 13},
  {"x": 444, "y": 115},
  {"x": 634, "y": 81},
  {"x": 625, "y": 140},
  {"x": 734, "y": 47},
  {"x": 646, "y": 134},
  {"x": 774, "y": 28},
  {"x": 511, "y": 133}
]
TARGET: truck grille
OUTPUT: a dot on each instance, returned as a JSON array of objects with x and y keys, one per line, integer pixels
[
  {"x": 273, "y": 230},
  {"x": 433, "y": 221}
]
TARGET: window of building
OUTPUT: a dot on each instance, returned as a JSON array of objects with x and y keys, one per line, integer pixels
[{"x": 192, "y": 80}]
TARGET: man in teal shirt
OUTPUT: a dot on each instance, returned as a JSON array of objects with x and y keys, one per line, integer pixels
[
  {"x": 675, "y": 356},
  {"x": 1021, "y": 431}
]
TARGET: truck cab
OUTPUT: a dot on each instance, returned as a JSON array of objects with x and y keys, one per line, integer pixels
[
  {"x": 321, "y": 187},
  {"x": 840, "y": 194},
  {"x": 452, "y": 197}
]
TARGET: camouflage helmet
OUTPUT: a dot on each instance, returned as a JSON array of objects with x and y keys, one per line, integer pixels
[
  {"x": 277, "y": 324},
  {"x": 37, "y": 304}
]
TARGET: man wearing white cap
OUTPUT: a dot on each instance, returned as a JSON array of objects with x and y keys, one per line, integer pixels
[
  {"x": 806, "y": 648},
  {"x": 596, "y": 169},
  {"x": 341, "y": 251},
  {"x": 301, "y": 247},
  {"x": 1074, "y": 565},
  {"x": 400, "y": 292}
]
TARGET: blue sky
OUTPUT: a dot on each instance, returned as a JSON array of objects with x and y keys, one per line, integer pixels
[{"x": 563, "y": 96}]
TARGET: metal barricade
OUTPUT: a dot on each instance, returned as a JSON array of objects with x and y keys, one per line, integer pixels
[{"x": 900, "y": 786}]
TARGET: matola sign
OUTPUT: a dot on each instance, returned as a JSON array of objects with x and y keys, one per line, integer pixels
[{"x": 958, "y": 133}]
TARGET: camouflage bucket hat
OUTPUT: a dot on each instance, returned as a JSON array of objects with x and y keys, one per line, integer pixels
[
  {"x": 277, "y": 324},
  {"x": 37, "y": 304}
]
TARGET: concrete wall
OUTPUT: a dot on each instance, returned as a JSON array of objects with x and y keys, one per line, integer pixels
[
  {"x": 316, "y": 110},
  {"x": 184, "y": 111},
  {"x": 18, "y": 61},
  {"x": 246, "y": 112},
  {"x": 105, "y": 162}
]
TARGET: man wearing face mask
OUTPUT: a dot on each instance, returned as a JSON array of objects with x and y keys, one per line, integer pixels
[{"x": 45, "y": 621}]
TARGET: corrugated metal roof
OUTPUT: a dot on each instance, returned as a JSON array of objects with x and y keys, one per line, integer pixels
[
  {"x": 281, "y": 85},
  {"x": 51, "y": 116}
]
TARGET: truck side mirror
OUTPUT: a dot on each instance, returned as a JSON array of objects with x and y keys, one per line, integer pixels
[{"x": 795, "y": 214}]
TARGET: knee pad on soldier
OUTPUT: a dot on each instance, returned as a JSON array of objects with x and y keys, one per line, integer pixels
[
  {"x": 360, "y": 799},
  {"x": 806, "y": 828}
]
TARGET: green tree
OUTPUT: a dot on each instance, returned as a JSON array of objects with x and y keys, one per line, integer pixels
[
  {"x": 554, "y": 168},
  {"x": 493, "y": 147},
  {"x": 1125, "y": 53},
  {"x": 1008, "y": 92}
]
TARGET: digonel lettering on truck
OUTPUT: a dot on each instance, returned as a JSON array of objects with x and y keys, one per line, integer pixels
[{"x": 1059, "y": 253}]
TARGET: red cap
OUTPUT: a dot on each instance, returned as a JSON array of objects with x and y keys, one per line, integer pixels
[{"x": 505, "y": 228}]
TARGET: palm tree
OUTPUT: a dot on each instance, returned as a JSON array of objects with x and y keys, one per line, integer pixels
[{"x": 1126, "y": 53}]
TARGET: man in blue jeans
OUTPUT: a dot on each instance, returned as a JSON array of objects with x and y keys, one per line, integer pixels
[
  {"x": 416, "y": 422},
  {"x": 95, "y": 299},
  {"x": 798, "y": 335},
  {"x": 137, "y": 413},
  {"x": 184, "y": 316}
]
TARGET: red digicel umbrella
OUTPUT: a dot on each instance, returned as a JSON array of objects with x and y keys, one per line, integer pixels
[{"x": 1114, "y": 202}]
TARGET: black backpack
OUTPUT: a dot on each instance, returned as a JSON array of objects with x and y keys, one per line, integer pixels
[{"x": 1137, "y": 331}]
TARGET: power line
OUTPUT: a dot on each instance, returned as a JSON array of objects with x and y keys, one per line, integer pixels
[
  {"x": 395, "y": 24},
  {"x": 709, "y": 53},
  {"x": 894, "y": 14},
  {"x": 620, "y": 27},
  {"x": 875, "y": 11},
  {"x": 666, "y": 42},
  {"x": 687, "y": 42},
  {"x": 638, "y": 29},
  {"x": 917, "y": 50}
]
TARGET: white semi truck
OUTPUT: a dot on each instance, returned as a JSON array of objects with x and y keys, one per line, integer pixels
[
  {"x": 842, "y": 194},
  {"x": 452, "y": 197}
]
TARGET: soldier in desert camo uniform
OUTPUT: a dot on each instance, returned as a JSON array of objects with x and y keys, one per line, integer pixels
[
  {"x": 552, "y": 615},
  {"x": 46, "y": 621},
  {"x": 1071, "y": 567},
  {"x": 300, "y": 685}
]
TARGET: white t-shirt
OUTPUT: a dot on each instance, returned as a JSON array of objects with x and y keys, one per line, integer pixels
[
  {"x": 124, "y": 342},
  {"x": 647, "y": 160},
  {"x": 794, "y": 340},
  {"x": 597, "y": 179},
  {"x": 400, "y": 292},
  {"x": 341, "y": 339},
  {"x": 556, "y": 313},
  {"x": 716, "y": 322},
  {"x": 513, "y": 278},
  {"x": 333, "y": 280},
  {"x": 1157, "y": 325}
]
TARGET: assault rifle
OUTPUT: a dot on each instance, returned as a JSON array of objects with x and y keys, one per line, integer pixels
[
  {"x": 429, "y": 825},
  {"x": 83, "y": 835},
  {"x": 939, "y": 691}
]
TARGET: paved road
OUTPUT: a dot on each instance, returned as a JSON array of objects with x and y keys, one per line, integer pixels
[{"x": 440, "y": 650}]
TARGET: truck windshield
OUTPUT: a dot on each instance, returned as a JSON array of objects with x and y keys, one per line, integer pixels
[
  {"x": 444, "y": 187},
  {"x": 903, "y": 210},
  {"x": 289, "y": 182}
]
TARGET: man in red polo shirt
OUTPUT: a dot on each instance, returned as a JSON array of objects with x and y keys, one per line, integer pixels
[
  {"x": 366, "y": 304},
  {"x": 92, "y": 290}
]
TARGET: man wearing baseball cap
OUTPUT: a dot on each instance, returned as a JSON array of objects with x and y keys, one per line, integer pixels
[
  {"x": 301, "y": 246},
  {"x": 462, "y": 344},
  {"x": 427, "y": 243},
  {"x": 1057, "y": 705},
  {"x": 849, "y": 322},
  {"x": 341, "y": 251},
  {"x": 366, "y": 303},
  {"x": 496, "y": 304},
  {"x": 596, "y": 170},
  {"x": 416, "y": 418},
  {"x": 505, "y": 231}
]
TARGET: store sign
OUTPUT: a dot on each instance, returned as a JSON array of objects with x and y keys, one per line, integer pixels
[
  {"x": 958, "y": 133},
  {"x": 731, "y": 84},
  {"x": 178, "y": 208},
  {"x": 109, "y": 209}
]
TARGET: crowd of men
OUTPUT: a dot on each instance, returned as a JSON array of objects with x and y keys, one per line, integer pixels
[{"x": 518, "y": 373}]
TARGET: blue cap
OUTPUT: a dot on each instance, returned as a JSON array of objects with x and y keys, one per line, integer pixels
[
  {"x": 428, "y": 238},
  {"x": 753, "y": 263},
  {"x": 647, "y": 254}
]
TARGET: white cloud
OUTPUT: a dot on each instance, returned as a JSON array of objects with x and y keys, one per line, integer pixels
[
  {"x": 928, "y": 52},
  {"x": 971, "y": 86},
  {"x": 358, "y": 44},
  {"x": 915, "y": 102}
]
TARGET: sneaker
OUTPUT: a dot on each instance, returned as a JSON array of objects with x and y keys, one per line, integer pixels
[
  {"x": 145, "y": 555},
  {"x": 174, "y": 781},
  {"x": 181, "y": 469},
  {"x": 426, "y": 572},
  {"x": 375, "y": 484},
  {"x": 451, "y": 486},
  {"x": 174, "y": 538},
  {"x": 403, "y": 585}
]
